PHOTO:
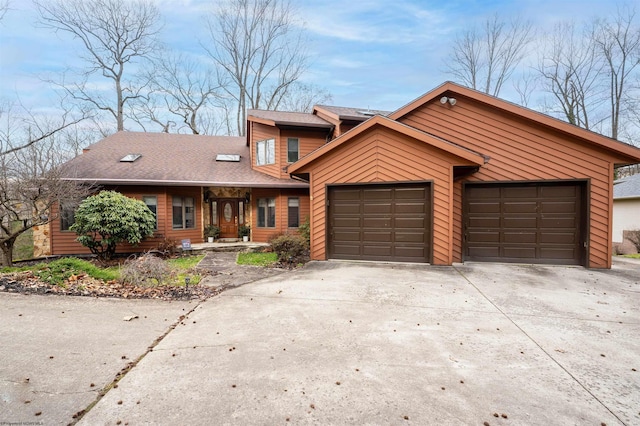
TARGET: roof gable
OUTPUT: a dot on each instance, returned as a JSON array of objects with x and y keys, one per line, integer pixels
[
  {"x": 626, "y": 153},
  {"x": 428, "y": 139}
]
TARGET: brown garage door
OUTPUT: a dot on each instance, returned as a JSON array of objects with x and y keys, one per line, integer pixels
[
  {"x": 533, "y": 222},
  {"x": 380, "y": 222}
]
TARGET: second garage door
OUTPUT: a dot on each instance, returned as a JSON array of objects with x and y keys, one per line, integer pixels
[
  {"x": 525, "y": 222},
  {"x": 380, "y": 222}
]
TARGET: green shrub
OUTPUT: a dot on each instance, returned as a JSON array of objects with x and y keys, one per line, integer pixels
[
  {"x": 108, "y": 218},
  {"x": 291, "y": 249},
  {"x": 305, "y": 231}
]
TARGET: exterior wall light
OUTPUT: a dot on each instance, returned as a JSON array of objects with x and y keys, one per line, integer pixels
[{"x": 444, "y": 100}]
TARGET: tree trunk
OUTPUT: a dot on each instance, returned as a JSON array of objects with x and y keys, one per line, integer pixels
[{"x": 7, "y": 252}]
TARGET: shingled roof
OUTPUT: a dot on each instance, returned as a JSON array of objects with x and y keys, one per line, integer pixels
[
  {"x": 170, "y": 159},
  {"x": 628, "y": 187},
  {"x": 349, "y": 113},
  {"x": 283, "y": 118}
]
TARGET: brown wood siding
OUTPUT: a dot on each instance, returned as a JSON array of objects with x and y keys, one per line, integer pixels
[
  {"x": 308, "y": 141},
  {"x": 64, "y": 242},
  {"x": 261, "y": 132},
  {"x": 519, "y": 150},
  {"x": 281, "y": 197},
  {"x": 383, "y": 155}
]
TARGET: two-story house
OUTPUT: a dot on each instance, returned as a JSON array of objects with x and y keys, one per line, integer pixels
[{"x": 454, "y": 175}]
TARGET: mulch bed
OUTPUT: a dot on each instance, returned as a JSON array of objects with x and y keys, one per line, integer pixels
[{"x": 28, "y": 283}]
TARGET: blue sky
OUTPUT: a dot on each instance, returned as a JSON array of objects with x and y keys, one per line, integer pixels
[{"x": 368, "y": 53}]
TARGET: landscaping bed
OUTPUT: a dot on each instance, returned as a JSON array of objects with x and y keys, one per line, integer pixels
[{"x": 76, "y": 277}]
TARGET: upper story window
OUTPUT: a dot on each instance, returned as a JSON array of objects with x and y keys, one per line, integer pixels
[
  {"x": 293, "y": 150},
  {"x": 265, "y": 152}
]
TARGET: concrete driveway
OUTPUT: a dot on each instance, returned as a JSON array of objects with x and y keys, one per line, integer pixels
[{"x": 346, "y": 343}]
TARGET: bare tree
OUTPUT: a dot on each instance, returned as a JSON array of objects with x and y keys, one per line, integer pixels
[
  {"x": 39, "y": 130},
  {"x": 571, "y": 70},
  {"x": 114, "y": 34},
  {"x": 485, "y": 58},
  {"x": 30, "y": 178},
  {"x": 302, "y": 97},
  {"x": 4, "y": 7},
  {"x": 185, "y": 87},
  {"x": 619, "y": 44},
  {"x": 259, "y": 51}
]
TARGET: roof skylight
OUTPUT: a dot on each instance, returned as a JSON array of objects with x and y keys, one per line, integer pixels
[
  {"x": 130, "y": 158},
  {"x": 234, "y": 158}
]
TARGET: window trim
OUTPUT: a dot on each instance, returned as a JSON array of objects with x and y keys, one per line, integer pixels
[{"x": 297, "y": 151}]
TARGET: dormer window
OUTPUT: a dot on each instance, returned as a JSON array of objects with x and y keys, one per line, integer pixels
[
  {"x": 265, "y": 152},
  {"x": 130, "y": 158}
]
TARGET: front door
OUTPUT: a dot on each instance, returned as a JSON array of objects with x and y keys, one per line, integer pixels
[{"x": 228, "y": 218}]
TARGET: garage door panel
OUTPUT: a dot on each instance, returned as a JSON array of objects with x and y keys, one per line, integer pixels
[
  {"x": 376, "y": 250},
  {"x": 346, "y": 222},
  {"x": 346, "y": 249},
  {"x": 377, "y": 194},
  {"x": 345, "y": 235},
  {"x": 410, "y": 253},
  {"x": 484, "y": 222},
  {"x": 410, "y": 194},
  {"x": 409, "y": 208},
  {"x": 346, "y": 194},
  {"x": 480, "y": 251},
  {"x": 375, "y": 222},
  {"x": 519, "y": 207},
  {"x": 538, "y": 222},
  {"x": 557, "y": 253},
  {"x": 519, "y": 222},
  {"x": 558, "y": 191},
  {"x": 380, "y": 222},
  {"x": 558, "y": 238},
  {"x": 346, "y": 209},
  {"x": 376, "y": 208},
  {"x": 527, "y": 192},
  {"x": 558, "y": 222},
  {"x": 409, "y": 237},
  {"x": 485, "y": 237},
  {"x": 484, "y": 207},
  {"x": 568, "y": 206},
  {"x": 519, "y": 252},
  {"x": 382, "y": 236},
  {"x": 417, "y": 223}
]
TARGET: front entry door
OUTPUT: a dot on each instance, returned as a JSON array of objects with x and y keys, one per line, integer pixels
[{"x": 228, "y": 214}]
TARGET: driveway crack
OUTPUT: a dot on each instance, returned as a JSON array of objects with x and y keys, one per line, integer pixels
[
  {"x": 555, "y": 361},
  {"x": 122, "y": 373}
]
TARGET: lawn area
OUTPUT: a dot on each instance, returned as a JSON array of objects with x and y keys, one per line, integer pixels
[
  {"x": 23, "y": 249},
  {"x": 257, "y": 259},
  {"x": 632, "y": 256}
]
